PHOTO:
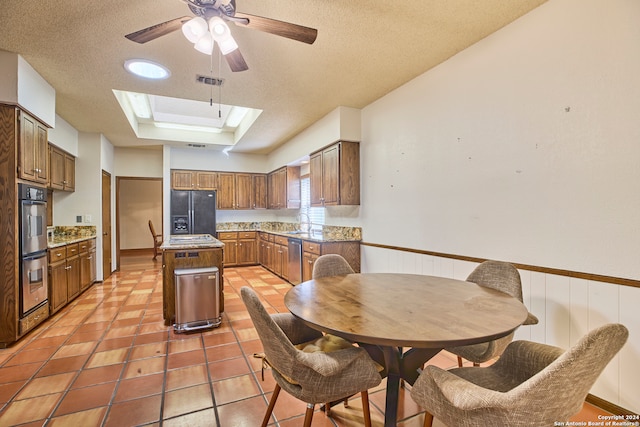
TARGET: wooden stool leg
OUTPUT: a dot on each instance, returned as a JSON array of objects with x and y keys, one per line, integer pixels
[
  {"x": 428, "y": 419},
  {"x": 366, "y": 412},
  {"x": 272, "y": 403},
  {"x": 308, "y": 415}
]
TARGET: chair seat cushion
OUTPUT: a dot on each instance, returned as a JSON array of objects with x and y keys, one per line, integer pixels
[{"x": 326, "y": 343}]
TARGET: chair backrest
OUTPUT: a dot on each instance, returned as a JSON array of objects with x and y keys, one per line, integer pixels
[
  {"x": 331, "y": 265},
  {"x": 153, "y": 231},
  {"x": 498, "y": 275},
  {"x": 278, "y": 349},
  {"x": 564, "y": 384}
]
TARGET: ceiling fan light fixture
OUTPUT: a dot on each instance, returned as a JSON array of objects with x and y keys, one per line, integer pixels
[
  {"x": 194, "y": 29},
  {"x": 205, "y": 44},
  {"x": 228, "y": 45},
  {"x": 222, "y": 35}
]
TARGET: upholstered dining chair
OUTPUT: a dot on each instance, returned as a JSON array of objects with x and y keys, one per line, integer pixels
[
  {"x": 157, "y": 240},
  {"x": 503, "y": 277},
  {"x": 530, "y": 384},
  {"x": 331, "y": 265},
  {"x": 316, "y": 377}
]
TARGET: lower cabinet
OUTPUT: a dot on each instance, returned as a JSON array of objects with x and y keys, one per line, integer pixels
[
  {"x": 311, "y": 250},
  {"x": 273, "y": 254},
  {"x": 72, "y": 269},
  {"x": 87, "y": 263},
  {"x": 240, "y": 247},
  {"x": 280, "y": 265}
]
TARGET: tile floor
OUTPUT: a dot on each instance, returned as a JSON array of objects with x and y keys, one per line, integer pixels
[{"x": 108, "y": 360}]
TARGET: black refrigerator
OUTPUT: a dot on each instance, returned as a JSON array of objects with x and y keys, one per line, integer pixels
[{"x": 193, "y": 212}]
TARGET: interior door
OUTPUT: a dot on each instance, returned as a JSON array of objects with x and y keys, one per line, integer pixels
[{"x": 106, "y": 225}]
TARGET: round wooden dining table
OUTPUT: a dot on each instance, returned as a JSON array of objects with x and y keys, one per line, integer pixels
[{"x": 403, "y": 320}]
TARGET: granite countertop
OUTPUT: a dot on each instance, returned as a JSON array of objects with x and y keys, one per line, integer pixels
[
  {"x": 296, "y": 234},
  {"x": 57, "y": 241},
  {"x": 329, "y": 233},
  {"x": 191, "y": 241}
]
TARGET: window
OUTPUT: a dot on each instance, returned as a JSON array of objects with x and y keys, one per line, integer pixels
[{"x": 316, "y": 215}]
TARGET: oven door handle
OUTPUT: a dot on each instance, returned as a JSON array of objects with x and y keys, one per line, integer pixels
[{"x": 33, "y": 256}]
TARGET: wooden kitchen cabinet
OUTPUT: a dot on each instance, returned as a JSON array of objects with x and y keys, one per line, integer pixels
[
  {"x": 247, "y": 249},
  {"x": 235, "y": 190},
  {"x": 334, "y": 175},
  {"x": 244, "y": 191},
  {"x": 266, "y": 250},
  {"x": 240, "y": 247},
  {"x": 64, "y": 275},
  {"x": 259, "y": 191},
  {"x": 280, "y": 262},
  {"x": 62, "y": 169},
  {"x": 230, "y": 253},
  {"x": 23, "y": 156},
  {"x": 311, "y": 250},
  {"x": 193, "y": 180},
  {"x": 73, "y": 271},
  {"x": 57, "y": 284},
  {"x": 33, "y": 149},
  {"x": 87, "y": 263},
  {"x": 284, "y": 188}
]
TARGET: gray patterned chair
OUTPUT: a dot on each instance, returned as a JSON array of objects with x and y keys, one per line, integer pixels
[
  {"x": 317, "y": 377},
  {"x": 531, "y": 384},
  {"x": 331, "y": 265},
  {"x": 503, "y": 277}
]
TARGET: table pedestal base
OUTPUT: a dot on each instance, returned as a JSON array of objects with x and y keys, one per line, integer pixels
[{"x": 398, "y": 365}]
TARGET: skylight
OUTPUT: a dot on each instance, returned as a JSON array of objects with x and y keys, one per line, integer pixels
[
  {"x": 146, "y": 69},
  {"x": 185, "y": 121}
]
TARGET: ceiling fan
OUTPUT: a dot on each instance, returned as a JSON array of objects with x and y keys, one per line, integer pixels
[{"x": 209, "y": 26}]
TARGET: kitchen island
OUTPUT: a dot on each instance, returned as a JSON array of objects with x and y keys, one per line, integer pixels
[{"x": 188, "y": 251}]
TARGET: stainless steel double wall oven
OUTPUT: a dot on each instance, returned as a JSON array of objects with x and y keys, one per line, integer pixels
[{"x": 33, "y": 247}]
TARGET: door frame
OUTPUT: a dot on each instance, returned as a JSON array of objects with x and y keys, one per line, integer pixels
[
  {"x": 107, "y": 262},
  {"x": 118, "y": 183}
]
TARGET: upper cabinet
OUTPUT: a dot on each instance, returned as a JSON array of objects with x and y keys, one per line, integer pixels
[
  {"x": 284, "y": 188},
  {"x": 33, "y": 149},
  {"x": 193, "y": 180},
  {"x": 259, "y": 190},
  {"x": 236, "y": 190},
  {"x": 62, "y": 169},
  {"x": 334, "y": 175}
]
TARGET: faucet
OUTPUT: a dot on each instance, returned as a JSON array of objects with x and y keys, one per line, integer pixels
[{"x": 307, "y": 228}]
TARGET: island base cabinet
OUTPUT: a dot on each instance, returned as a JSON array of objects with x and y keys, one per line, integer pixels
[{"x": 187, "y": 258}]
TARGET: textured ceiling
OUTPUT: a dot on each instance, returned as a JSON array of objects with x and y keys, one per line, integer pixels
[{"x": 364, "y": 49}]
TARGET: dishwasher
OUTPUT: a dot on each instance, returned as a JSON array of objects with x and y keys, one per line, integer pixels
[
  {"x": 295, "y": 261},
  {"x": 197, "y": 299}
]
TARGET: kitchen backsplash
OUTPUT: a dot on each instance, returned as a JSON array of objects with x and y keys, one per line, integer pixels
[{"x": 330, "y": 232}]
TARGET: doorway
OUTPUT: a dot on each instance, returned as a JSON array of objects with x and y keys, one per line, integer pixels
[{"x": 138, "y": 201}]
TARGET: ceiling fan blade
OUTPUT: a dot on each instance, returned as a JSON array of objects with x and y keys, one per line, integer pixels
[
  {"x": 236, "y": 61},
  {"x": 279, "y": 28},
  {"x": 158, "y": 30}
]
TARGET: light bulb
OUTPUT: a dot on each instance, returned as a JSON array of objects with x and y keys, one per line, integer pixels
[
  {"x": 205, "y": 44},
  {"x": 194, "y": 29}
]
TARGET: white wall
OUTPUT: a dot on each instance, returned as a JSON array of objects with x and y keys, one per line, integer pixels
[
  {"x": 140, "y": 200},
  {"x": 524, "y": 148},
  {"x": 480, "y": 156},
  {"x": 137, "y": 162},
  {"x": 64, "y": 136}
]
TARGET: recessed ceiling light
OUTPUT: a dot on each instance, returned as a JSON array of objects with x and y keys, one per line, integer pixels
[{"x": 146, "y": 69}]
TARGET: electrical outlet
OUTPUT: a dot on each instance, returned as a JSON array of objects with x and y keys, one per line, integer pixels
[
  {"x": 87, "y": 218},
  {"x": 78, "y": 218}
]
